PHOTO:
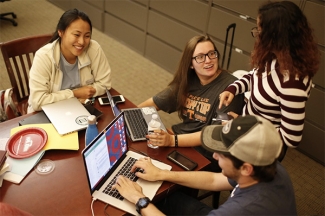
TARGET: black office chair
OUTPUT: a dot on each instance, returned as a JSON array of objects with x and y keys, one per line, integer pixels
[{"x": 14, "y": 16}]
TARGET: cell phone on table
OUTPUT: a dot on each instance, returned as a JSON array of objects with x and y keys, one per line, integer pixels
[
  {"x": 221, "y": 117},
  {"x": 116, "y": 99},
  {"x": 182, "y": 160},
  {"x": 93, "y": 111}
]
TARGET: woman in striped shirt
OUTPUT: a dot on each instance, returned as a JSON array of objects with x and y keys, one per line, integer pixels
[{"x": 285, "y": 58}]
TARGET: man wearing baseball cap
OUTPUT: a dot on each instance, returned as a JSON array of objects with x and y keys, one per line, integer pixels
[{"x": 247, "y": 149}]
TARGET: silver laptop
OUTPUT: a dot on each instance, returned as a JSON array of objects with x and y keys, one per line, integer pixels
[
  {"x": 137, "y": 119},
  {"x": 67, "y": 116},
  {"x": 106, "y": 157}
]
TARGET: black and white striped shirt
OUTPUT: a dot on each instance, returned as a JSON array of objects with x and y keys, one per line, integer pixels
[{"x": 278, "y": 98}]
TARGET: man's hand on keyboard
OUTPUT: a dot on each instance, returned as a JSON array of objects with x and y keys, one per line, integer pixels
[
  {"x": 150, "y": 171},
  {"x": 130, "y": 190}
]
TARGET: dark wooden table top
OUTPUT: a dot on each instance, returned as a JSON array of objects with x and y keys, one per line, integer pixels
[{"x": 65, "y": 191}]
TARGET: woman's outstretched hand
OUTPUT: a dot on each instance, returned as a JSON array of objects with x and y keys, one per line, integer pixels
[{"x": 225, "y": 98}]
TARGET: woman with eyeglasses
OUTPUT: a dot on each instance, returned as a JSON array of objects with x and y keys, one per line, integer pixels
[
  {"x": 70, "y": 65},
  {"x": 285, "y": 59},
  {"x": 194, "y": 93}
]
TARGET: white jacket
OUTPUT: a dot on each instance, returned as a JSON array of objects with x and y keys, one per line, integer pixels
[{"x": 45, "y": 76}]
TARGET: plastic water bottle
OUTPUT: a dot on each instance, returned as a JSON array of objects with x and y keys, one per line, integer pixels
[
  {"x": 92, "y": 130},
  {"x": 154, "y": 124}
]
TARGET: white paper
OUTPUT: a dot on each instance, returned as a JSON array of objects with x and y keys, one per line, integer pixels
[
  {"x": 3, "y": 143},
  {"x": 6, "y": 167}
]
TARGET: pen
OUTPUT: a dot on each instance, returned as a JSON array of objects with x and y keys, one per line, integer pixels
[
  {"x": 141, "y": 152},
  {"x": 145, "y": 154}
]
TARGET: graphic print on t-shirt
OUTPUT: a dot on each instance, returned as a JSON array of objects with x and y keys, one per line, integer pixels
[{"x": 196, "y": 108}]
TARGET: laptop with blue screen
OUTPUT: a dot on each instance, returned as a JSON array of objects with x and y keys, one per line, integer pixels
[{"x": 105, "y": 158}]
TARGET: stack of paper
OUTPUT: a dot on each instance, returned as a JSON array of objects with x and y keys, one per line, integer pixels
[
  {"x": 3, "y": 170},
  {"x": 21, "y": 167},
  {"x": 5, "y": 166}
]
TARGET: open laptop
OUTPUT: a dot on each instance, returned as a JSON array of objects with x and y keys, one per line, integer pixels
[
  {"x": 137, "y": 119},
  {"x": 67, "y": 116},
  {"x": 104, "y": 159}
]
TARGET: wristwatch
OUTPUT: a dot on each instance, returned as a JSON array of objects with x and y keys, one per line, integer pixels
[{"x": 142, "y": 203}]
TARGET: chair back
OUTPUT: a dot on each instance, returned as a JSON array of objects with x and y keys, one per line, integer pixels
[{"x": 18, "y": 56}]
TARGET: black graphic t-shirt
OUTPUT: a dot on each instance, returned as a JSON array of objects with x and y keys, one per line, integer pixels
[{"x": 201, "y": 104}]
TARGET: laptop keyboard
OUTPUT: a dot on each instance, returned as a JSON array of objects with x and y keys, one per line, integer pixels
[
  {"x": 136, "y": 123},
  {"x": 125, "y": 171}
]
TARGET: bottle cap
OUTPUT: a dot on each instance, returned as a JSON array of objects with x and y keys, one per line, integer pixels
[
  {"x": 154, "y": 116},
  {"x": 154, "y": 123},
  {"x": 92, "y": 119}
]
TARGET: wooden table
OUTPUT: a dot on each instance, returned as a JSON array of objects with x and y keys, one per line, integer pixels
[{"x": 65, "y": 191}]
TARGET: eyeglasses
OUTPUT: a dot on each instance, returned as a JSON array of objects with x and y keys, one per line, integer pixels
[
  {"x": 201, "y": 58},
  {"x": 255, "y": 32}
]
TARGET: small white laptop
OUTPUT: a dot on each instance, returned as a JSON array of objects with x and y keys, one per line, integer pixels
[
  {"x": 67, "y": 116},
  {"x": 106, "y": 157},
  {"x": 137, "y": 119}
]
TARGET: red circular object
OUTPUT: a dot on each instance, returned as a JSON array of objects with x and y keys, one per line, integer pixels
[{"x": 26, "y": 142}]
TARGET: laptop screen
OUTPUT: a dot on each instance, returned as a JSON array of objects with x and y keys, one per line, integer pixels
[
  {"x": 116, "y": 111},
  {"x": 105, "y": 151}
]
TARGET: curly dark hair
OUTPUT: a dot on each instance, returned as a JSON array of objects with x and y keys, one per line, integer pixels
[{"x": 286, "y": 36}]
